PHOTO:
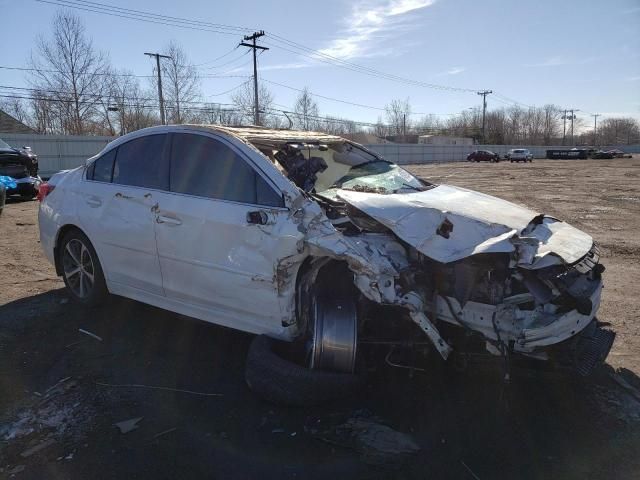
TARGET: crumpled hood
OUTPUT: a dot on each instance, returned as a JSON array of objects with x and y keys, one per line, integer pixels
[{"x": 449, "y": 223}]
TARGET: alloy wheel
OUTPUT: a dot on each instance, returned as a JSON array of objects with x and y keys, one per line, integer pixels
[{"x": 78, "y": 267}]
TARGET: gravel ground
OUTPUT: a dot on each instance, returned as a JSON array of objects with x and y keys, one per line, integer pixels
[{"x": 57, "y": 410}]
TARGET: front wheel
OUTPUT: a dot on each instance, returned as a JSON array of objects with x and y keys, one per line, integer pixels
[{"x": 81, "y": 269}]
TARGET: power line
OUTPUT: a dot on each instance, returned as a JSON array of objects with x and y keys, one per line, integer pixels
[
  {"x": 348, "y": 102},
  {"x": 173, "y": 23},
  {"x": 318, "y": 55},
  {"x": 113, "y": 74}
]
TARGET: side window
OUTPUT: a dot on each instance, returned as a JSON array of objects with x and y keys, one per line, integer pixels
[
  {"x": 142, "y": 163},
  {"x": 205, "y": 167},
  {"x": 100, "y": 170}
]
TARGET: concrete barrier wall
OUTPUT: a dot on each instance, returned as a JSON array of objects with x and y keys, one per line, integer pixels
[
  {"x": 404, "y": 154},
  {"x": 60, "y": 152}
]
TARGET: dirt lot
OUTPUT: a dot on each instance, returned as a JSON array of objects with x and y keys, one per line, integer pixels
[{"x": 57, "y": 412}]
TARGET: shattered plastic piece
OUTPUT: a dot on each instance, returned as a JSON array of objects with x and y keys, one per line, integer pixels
[
  {"x": 170, "y": 430},
  {"x": 127, "y": 426},
  {"x": 378, "y": 443},
  {"x": 35, "y": 449},
  {"x": 16, "y": 469},
  {"x": 93, "y": 335}
]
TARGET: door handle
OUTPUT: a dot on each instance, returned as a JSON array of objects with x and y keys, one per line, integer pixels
[
  {"x": 168, "y": 220},
  {"x": 94, "y": 202}
]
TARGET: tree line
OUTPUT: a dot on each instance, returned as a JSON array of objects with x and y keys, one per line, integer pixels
[{"x": 74, "y": 89}]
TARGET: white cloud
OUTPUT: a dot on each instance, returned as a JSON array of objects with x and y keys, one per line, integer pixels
[
  {"x": 455, "y": 70},
  {"x": 633, "y": 79},
  {"x": 549, "y": 62},
  {"x": 369, "y": 21},
  {"x": 559, "y": 60}
]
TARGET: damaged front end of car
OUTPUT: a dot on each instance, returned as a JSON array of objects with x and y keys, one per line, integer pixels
[
  {"x": 450, "y": 268},
  {"x": 460, "y": 264}
]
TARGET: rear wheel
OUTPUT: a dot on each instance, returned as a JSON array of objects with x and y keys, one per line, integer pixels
[{"x": 81, "y": 269}]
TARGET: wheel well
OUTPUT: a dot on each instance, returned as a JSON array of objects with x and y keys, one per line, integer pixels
[
  {"x": 61, "y": 233},
  {"x": 322, "y": 273}
]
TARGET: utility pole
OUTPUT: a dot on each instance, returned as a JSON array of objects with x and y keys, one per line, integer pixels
[
  {"x": 564, "y": 126},
  {"x": 573, "y": 117},
  {"x": 161, "y": 100},
  {"x": 595, "y": 127},
  {"x": 484, "y": 94},
  {"x": 404, "y": 126},
  {"x": 254, "y": 47}
]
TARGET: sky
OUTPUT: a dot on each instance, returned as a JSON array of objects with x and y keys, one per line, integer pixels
[{"x": 582, "y": 54}]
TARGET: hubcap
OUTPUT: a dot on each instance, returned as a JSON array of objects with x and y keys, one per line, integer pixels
[{"x": 78, "y": 268}]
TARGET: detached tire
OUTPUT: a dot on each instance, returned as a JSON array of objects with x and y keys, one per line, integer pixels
[{"x": 286, "y": 383}]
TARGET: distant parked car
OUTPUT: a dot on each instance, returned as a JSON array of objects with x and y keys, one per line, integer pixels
[
  {"x": 21, "y": 164},
  {"x": 483, "y": 156},
  {"x": 519, "y": 155},
  {"x": 600, "y": 154},
  {"x": 616, "y": 153}
]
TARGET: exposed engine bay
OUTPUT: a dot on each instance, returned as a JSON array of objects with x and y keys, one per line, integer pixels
[{"x": 520, "y": 281}]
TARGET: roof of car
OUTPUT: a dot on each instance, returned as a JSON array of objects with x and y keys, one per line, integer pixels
[{"x": 256, "y": 134}]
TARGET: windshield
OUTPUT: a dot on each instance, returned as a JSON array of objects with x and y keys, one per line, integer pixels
[
  {"x": 4, "y": 144},
  {"x": 378, "y": 176}
]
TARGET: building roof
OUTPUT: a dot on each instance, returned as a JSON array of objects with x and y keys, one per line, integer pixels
[{"x": 9, "y": 124}]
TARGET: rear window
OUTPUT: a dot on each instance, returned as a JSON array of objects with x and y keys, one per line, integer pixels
[{"x": 101, "y": 169}]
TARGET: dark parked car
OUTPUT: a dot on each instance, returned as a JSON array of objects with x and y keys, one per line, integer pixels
[
  {"x": 615, "y": 153},
  {"x": 483, "y": 156},
  {"x": 21, "y": 164},
  {"x": 602, "y": 155}
]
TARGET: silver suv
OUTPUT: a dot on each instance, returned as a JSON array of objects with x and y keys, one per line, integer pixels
[{"x": 519, "y": 155}]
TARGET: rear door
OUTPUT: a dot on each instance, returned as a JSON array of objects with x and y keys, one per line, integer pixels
[
  {"x": 116, "y": 212},
  {"x": 221, "y": 232}
]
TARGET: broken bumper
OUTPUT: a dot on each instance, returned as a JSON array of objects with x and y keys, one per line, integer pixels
[{"x": 527, "y": 331}]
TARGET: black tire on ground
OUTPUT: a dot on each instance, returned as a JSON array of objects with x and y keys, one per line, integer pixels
[
  {"x": 98, "y": 292},
  {"x": 286, "y": 383}
]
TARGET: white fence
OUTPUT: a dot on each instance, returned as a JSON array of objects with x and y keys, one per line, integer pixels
[
  {"x": 59, "y": 152},
  {"x": 404, "y": 154}
]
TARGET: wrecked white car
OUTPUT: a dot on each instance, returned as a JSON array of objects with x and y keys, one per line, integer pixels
[{"x": 319, "y": 244}]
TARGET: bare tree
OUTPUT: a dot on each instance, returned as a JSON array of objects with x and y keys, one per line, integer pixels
[
  {"x": 17, "y": 108},
  {"x": 551, "y": 123},
  {"x": 181, "y": 83},
  {"x": 397, "y": 114},
  {"x": 617, "y": 131},
  {"x": 306, "y": 110},
  {"x": 243, "y": 99},
  {"x": 380, "y": 130},
  {"x": 70, "y": 72}
]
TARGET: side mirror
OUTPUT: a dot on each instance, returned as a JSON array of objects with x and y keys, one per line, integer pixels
[{"x": 257, "y": 217}]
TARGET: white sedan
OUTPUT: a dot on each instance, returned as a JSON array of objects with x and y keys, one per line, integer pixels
[{"x": 303, "y": 237}]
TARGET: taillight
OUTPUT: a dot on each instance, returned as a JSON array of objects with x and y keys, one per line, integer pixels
[{"x": 44, "y": 190}]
